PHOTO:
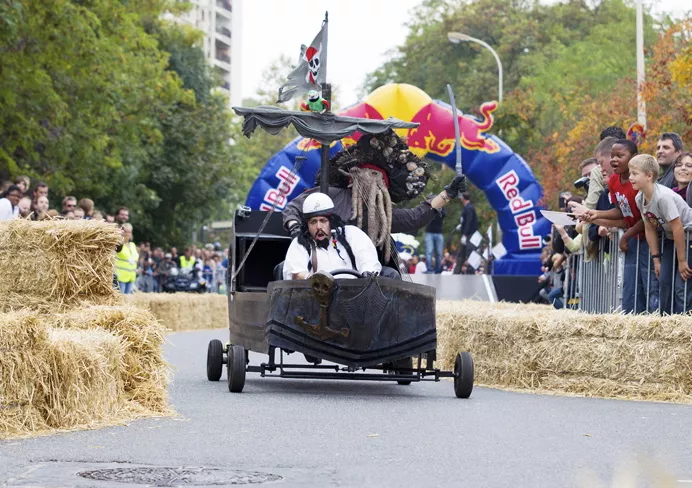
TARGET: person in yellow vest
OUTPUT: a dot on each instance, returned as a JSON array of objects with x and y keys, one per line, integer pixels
[
  {"x": 126, "y": 261},
  {"x": 187, "y": 260}
]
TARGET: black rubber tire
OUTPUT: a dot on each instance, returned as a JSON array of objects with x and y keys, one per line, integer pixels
[
  {"x": 214, "y": 360},
  {"x": 402, "y": 363},
  {"x": 463, "y": 375},
  {"x": 236, "y": 368}
]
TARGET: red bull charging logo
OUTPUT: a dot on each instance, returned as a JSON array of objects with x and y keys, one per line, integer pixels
[{"x": 436, "y": 131}]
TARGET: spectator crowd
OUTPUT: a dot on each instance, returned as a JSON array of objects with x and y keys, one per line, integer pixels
[
  {"x": 139, "y": 267},
  {"x": 632, "y": 205}
]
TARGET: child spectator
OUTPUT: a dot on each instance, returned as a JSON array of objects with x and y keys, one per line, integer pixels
[
  {"x": 24, "y": 207},
  {"x": 87, "y": 205},
  {"x": 664, "y": 210},
  {"x": 41, "y": 204},
  {"x": 23, "y": 182},
  {"x": 638, "y": 277}
]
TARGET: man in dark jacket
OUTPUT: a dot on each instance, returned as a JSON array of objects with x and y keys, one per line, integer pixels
[
  {"x": 434, "y": 242},
  {"x": 468, "y": 225}
]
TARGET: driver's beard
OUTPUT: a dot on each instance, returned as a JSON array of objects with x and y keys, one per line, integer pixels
[{"x": 323, "y": 243}]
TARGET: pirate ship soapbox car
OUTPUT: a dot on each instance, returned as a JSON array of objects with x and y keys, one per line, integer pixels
[{"x": 370, "y": 328}]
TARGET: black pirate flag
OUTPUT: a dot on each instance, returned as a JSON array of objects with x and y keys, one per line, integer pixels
[{"x": 311, "y": 72}]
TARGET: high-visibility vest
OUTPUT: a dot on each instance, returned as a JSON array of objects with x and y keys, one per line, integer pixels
[
  {"x": 187, "y": 263},
  {"x": 126, "y": 263}
]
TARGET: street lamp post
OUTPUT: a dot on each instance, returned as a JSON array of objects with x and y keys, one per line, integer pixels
[
  {"x": 457, "y": 37},
  {"x": 641, "y": 103}
]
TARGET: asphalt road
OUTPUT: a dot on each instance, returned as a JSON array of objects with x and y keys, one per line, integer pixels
[{"x": 351, "y": 434}]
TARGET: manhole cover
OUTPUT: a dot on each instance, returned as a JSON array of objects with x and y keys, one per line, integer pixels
[{"x": 170, "y": 476}]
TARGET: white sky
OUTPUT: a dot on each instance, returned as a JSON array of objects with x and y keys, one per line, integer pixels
[{"x": 360, "y": 33}]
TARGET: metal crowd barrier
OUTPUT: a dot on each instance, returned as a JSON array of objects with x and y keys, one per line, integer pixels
[{"x": 594, "y": 282}]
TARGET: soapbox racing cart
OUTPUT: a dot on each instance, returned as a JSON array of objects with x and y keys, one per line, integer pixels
[
  {"x": 375, "y": 323},
  {"x": 370, "y": 328}
]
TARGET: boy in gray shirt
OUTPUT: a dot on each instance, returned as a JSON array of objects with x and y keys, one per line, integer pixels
[{"x": 664, "y": 210}]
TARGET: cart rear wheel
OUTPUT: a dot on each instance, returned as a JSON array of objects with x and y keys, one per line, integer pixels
[
  {"x": 236, "y": 368},
  {"x": 463, "y": 375},
  {"x": 214, "y": 360}
]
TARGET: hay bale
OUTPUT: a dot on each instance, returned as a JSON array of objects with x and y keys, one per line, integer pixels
[
  {"x": 22, "y": 337},
  {"x": 70, "y": 381},
  {"x": 185, "y": 311},
  {"x": 84, "y": 384},
  {"x": 144, "y": 374},
  {"x": 539, "y": 348},
  {"x": 21, "y": 330},
  {"x": 55, "y": 264}
]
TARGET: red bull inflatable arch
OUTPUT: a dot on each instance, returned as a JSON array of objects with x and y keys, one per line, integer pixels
[{"x": 489, "y": 163}]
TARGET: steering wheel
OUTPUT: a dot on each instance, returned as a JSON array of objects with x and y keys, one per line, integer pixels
[{"x": 347, "y": 271}]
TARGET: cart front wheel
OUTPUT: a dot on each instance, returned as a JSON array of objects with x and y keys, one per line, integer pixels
[
  {"x": 236, "y": 368},
  {"x": 214, "y": 360},
  {"x": 463, "y": 375}
]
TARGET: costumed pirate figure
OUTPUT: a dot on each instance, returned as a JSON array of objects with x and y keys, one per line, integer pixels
[{"x": 365, "y": 181}]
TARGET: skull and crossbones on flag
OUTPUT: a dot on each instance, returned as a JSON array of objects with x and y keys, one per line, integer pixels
[{"x": 311, "y": 72}]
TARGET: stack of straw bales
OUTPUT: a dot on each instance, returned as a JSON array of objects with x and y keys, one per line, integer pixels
[
  {"x": 536, "y": 347},
  {"x": 69, "y": 358},
  {"x": 185, "y": 311},
  {"x": 51, "y": 265}
]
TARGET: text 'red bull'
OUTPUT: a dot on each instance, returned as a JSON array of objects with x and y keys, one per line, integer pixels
[
  {"x": 279, "y": 196},
  {"x": 435, "y": 133},
  {"x": 523, "y": 217}
]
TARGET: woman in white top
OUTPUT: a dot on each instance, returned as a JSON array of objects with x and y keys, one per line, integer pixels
[{"x": 8, "y": 204}]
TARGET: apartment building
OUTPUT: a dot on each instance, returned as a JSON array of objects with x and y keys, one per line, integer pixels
[{"x": 220, "y": 20}]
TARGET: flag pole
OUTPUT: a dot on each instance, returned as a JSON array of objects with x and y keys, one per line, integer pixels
[{"x": 327, "y": 95}]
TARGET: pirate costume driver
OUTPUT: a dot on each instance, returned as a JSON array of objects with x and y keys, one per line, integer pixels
[
  {"x": 364, "y": 182},
  {"x": 326, "y": 244}
]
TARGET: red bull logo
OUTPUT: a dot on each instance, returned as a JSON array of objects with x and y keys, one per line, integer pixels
[
  {"x": 524, "y": 215},
  {"x": 436, "y": 131}
]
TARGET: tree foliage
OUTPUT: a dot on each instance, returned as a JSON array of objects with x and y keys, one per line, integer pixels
[
  {"x": 103, "y": 100},
  {"x": 569, "y": 70}
]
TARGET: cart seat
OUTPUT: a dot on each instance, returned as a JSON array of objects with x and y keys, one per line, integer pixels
[{"x": 279, "y": 271}]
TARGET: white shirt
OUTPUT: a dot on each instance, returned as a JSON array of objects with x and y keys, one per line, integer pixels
[
  {"x": 297, "y": 257},
  {"x": 6, "y": 210},
  {"x": 421, "y": 268}
]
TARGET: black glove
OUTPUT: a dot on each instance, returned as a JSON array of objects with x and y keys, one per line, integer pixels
[
  {"x": 456, "y": 187},
  {"x": 294, "y": 230}
]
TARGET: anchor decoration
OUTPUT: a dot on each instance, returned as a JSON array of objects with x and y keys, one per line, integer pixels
[{"x": 323, "y": 285}]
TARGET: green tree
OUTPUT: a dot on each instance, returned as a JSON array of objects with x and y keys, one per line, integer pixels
[
  {"x": 104, "y": 100},
  {"x": 81, "y": 86},
  {"x": 555, "y": 57}
]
